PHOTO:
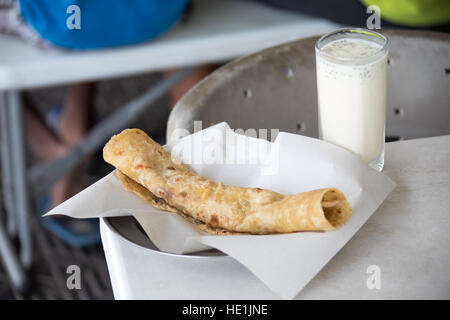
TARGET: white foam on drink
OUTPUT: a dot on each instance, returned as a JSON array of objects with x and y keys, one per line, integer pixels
[{"x": 351, "y": 48}]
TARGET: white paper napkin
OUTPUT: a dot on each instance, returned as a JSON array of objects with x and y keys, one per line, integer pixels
[{"x": 291, "y": 164}]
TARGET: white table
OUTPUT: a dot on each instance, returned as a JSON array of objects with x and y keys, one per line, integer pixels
[
  {"x": 217, "y": 30},
  {"x": 407, "y": 237}
]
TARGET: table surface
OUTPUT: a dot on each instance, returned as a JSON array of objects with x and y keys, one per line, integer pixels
[
  {"x": 217, "y": 30},
  {"x": 407, "y": 237}
]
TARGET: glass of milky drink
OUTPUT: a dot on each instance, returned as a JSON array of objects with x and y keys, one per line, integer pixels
[{"x": 351, "y": 90}]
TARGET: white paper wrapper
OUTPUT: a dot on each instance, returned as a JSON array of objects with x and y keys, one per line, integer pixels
[{"x": 289, "y": 165}]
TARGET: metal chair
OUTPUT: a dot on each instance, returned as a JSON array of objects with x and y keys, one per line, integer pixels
[{"x": 276, "y": 88}]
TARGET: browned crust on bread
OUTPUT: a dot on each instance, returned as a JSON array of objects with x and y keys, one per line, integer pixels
[
  {"x": 132, "y": 186},
  {"x": 236, "y": 209}
]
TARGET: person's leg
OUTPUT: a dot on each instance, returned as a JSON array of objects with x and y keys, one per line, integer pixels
[
  {"x": 74, "y": 121},
  {"x": 44, "y": 145},
  {"x": 41, "y": 141},
  {"x": 187, "y": 83},
  {"x": 72, "y": 128}
]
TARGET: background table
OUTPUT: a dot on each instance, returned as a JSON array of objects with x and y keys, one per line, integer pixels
[{"x": 215, "y": 31}]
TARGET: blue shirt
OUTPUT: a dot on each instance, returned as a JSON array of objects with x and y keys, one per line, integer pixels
[{"x": 102, "y": 23}]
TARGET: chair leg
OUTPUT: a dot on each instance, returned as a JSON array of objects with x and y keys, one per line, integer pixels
[
  {"x": 7, "y": 189},
  {"x": 11, "y": 263},
  {"x": 7, "y": 253},
  {"x": 19, "y": 172}
]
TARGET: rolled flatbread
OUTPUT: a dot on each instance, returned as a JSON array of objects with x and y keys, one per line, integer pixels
[
  {"x": 237, "y": 209},
  {"x": 132, "y": 186}
]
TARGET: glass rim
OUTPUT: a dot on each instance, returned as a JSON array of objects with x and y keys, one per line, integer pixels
[{"x": 355, "y": 31}]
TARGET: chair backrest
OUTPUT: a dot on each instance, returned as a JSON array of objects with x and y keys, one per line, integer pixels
[{"x": 276, "y": 88}]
